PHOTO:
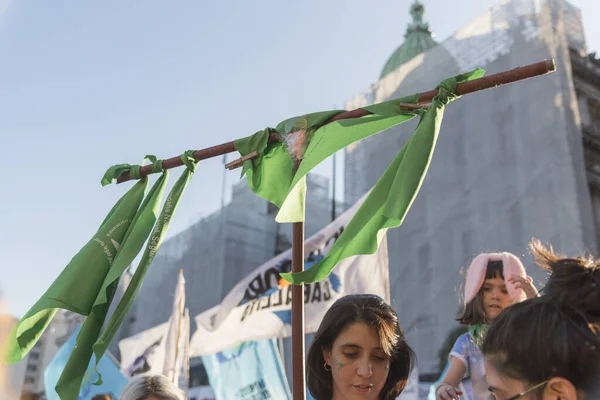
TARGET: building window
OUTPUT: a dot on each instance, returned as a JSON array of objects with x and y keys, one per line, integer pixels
[
  {"x": 31, "y": 368},
  {"x": 34, "y": 356},
  {"x": 29, "y": 380}
]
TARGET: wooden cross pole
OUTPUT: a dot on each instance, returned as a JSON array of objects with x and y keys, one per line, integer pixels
[
  {"x": 487, "y": 82},
  {"x": 298, "y": 373}
]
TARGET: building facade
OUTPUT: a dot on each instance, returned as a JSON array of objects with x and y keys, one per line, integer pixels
[
  {"x": 586, "y": 80},
  {"x": 509, "y": 163}
]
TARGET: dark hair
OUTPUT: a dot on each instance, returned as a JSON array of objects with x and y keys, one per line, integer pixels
[
  {"x": 102, "y": 397},
  {"x": 554, "y": 335},
  {"x": 374, "y": 311},
  {"x": 572, "y": 281},
  {"x": 474, "y": 312},
  {"x": 30, "y": 396}
]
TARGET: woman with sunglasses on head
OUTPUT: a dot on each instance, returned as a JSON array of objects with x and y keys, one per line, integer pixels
[
  {"x": 359, "y": 352},
  {"x": 548, "y": 347}
]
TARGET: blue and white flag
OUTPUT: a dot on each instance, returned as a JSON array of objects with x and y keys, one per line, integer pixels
[
  {"x": 113, "y": 380},
  {"x": 250, "y": 371}
]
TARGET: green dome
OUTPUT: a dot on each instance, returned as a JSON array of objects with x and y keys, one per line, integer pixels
[{"x": 418, "y": 39}]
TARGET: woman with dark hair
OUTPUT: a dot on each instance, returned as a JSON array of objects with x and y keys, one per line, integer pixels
[
  {"x": 359, "y": 352},
  {"x": 548, "y": 347}
]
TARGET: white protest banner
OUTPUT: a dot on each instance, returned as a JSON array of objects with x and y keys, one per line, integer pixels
[
  {"x": 176, "y": 336},
  {"x": 259, "y": 306},
  {"x": 162, "y": 349},
  {"x": 144, "y": 352}
]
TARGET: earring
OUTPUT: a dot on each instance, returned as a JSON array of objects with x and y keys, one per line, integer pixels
[{"x": 326, "y": 367}]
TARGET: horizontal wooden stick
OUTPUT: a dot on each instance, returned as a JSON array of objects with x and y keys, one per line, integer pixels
[
  {"x": 240, "y": 161},
  {"x": 410, "y": 106},
  {"x": 486, "y": 82}
]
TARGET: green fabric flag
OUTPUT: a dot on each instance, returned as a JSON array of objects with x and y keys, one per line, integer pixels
[
  {"x": 78, "y": 285},
  {"x": 69, "y": 383},
  {"x": 156, "y": 238},
  {"x": 390, "y": 199},
  {"x": 271, "y": 176}
]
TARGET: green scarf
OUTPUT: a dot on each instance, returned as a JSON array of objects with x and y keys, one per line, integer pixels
[{"x": 478, "y": 332}]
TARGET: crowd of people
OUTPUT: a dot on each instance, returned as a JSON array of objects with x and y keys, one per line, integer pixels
[{"x": 520, "y": 344}]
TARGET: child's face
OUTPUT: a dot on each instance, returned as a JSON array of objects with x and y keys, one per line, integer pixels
[{"x": 495, "y": 296}]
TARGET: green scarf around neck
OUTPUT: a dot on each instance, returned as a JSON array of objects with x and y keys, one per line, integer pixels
[{"x": 478, "y": 332}]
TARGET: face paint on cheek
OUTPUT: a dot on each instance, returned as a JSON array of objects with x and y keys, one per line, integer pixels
[{"x": 339, "y": 364}]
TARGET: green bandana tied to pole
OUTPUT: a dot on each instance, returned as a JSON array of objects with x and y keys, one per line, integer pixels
[
  {"x": 156, "y": 239},
  {"x": 78, "y": 285},
  {"x": 88, "y": 283},
  {"x": 69, "y": 383},
  {"x": 271, "y": 175},
  {"x": 390, "y": 199}
]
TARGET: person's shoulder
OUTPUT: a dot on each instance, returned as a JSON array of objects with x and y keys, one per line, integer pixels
[
  {"x": 465, "y": 337},
  {"x": 465, "y": 342}
]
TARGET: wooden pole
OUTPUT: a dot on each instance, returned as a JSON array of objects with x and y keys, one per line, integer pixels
[
  {"x": 298, "y": 369},
  {"x": 487, "y": 82},
  {"x": 333, "y": 189}
]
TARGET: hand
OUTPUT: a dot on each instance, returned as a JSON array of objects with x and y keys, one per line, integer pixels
[
  {"x": 447, "y": 392},
  {"x": 525, "y": 284}
]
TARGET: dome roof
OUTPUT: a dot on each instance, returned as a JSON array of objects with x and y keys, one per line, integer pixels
[{"x": 418, "y": 39}]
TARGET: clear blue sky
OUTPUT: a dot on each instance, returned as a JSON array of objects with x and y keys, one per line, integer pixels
[{"x": 84, "y": 85}]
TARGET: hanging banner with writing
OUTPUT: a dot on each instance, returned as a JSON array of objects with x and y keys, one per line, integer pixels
[
  {"x": 248, "y": 372},
  {"x": 259, "y": 306}
]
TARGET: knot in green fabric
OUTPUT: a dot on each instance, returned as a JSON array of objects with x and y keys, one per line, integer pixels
[
  {"x": 257, "y": 142},
  {"x": 446, "y": 91},
  {"x": 188, "y": 159},
  {"x": 117, "y": 170},
  {"x": 447, "y": 87},
  {"x": 134, "y": 171},
  {"x": 114, "y": 172},
  {"x": 157, "y": 166}
]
